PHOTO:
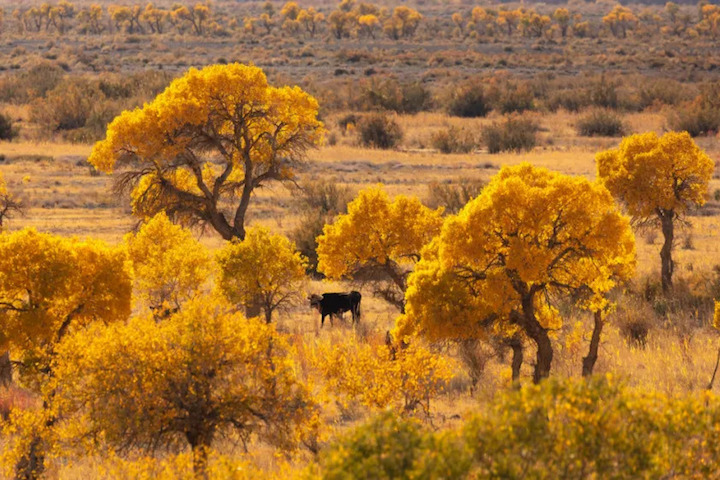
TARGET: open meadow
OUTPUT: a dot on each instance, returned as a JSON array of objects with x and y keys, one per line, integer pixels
[{"x": 526, "y": 196}]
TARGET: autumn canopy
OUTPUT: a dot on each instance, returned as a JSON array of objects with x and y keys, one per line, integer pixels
[{"x": 200, "y": 149}]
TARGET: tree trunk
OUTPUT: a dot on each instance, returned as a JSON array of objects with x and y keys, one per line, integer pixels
[
  {"x": 544, "y": 356},
  {"x": 712, "y": 379},
  {"x": 5, "y": 369},
  {"x": 539, "y": 335},
  {"x": 589, "y": 361},
  {"x": 199, "y": 453},
  {"x": 668, "y": 230},
  {"x": 517, "y": 358},
  {"x": 32, "y": 465},
  {"x": 200, "y": 442}
]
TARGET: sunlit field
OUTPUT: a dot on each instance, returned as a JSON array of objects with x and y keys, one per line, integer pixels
[{"x": 497, "y": 181}]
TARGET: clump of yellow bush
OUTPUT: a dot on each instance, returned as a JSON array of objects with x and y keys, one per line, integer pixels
[
  {"x": 569, "y": 429},
  {"x": 377, "y": 377}
]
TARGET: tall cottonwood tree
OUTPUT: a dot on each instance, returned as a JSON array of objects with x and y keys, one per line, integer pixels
[
  {"x": 204, "y": 145},
  {"x": 379, "y": 240},
  {"x": 532, "y": 239},
  {"x": 50, "y": 286},
  {"x": 658, "y": 179}
]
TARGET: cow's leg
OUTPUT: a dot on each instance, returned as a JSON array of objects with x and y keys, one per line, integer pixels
[{"x": 322, "y": 320}]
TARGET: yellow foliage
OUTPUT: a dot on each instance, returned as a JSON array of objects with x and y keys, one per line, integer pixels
[
  {"x": 648, "y": 172},
  {"x": 290, "y": 10},
  {"x": 258, "y": 132},
  {"x": 403, "y": 22},
  {"x": 531, "y": 237},
  {"x": 539, "y": 228},
  {"x": 25, "y": 430},
  {"x": 377, "y": 233},
  {"x": 439, "y": 304},
  {"x": 378, "y": 377},
  {"x": 190, "y": 379},
  {"x": 50, "y": 284},
  {"x": 178, "y": 467},
  {"x": 169, "y": 265},
  {"x": 264, "y": 268}
]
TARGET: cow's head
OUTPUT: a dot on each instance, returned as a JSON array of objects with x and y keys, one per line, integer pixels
[{"x": 315, "y": 300}]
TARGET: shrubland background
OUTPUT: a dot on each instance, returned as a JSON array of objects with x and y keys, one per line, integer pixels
[{"x": 428, "y": 105}]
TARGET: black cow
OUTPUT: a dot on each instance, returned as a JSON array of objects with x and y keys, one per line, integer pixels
[{"x": 335, "y": 304}]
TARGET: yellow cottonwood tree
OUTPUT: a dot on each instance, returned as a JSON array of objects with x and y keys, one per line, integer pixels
[
  {"x": 562, "y": 17},
  {"x": 204, "y": 145},
  {"x": 658, "y": 179},
  {"x": 402, "y": 23},
  {"x": 620, "y": 19},
  {"x": 508, "y": 19},
  {"x": 368, "y": 24},
  {"x": 378, "y": 240},
  {"x": 189, "y": 380},
  {"x": 311, "y": 20},
  {"x": 264, "y": 268},
  {"x": 290, "y": 11},
  {"x": 50, "y": 284},
  {"x": 440, "y": 306},
  {"x": 169, "y": 265},
  {"x": 532, "y": 238},
  {"x": 49, "y": 287}
]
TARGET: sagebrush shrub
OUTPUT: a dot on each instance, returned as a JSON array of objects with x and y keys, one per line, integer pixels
[
  {"x": 596, "y": 428},
  {"x": 698, "y": 118},
  {"x": 453, "y": 196},
  {"x": 600, "y": 123},
  {"x": 379, "y": 130},
  {"x": 512, "y": 98},
  {"x": 469, "y": 102},
  {"x": 391, "y": 447},
  {"x": 515, "y": 134},
  {"x": 7, "y": 129},
  {"x": 400, "y": 98},
  {"x": 454, "y": 140}
]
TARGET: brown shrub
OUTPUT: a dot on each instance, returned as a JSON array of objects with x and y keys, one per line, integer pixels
[{"x": 379, "y": 130}]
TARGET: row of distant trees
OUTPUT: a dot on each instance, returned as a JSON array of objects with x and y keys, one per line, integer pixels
[{"x": 359, "y": 19}]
